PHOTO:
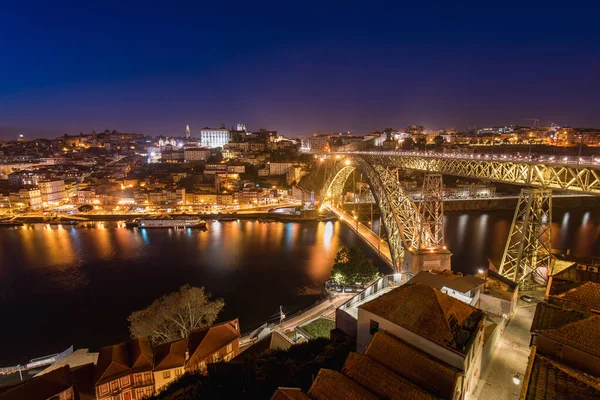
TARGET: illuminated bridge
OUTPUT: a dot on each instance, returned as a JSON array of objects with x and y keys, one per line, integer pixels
[{"x": 414, "y": 231}]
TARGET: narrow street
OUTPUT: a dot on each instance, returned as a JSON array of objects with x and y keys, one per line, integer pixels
[{"x": 509, "y": 358}]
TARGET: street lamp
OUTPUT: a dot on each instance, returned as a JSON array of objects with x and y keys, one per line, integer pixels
[{"x": 517, "y": 379}]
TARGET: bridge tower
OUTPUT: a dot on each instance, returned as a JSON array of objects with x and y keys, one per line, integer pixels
[
  {"x": 527, "y": 255},
  {"x": 429, "y": 251},
  {"x": 431, "y": 209}
]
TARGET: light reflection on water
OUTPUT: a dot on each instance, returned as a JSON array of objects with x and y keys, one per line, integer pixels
[{"x": 90, "y": 279}]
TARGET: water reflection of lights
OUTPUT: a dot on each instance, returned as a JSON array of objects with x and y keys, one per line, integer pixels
[
  {"x": 586, "y": 218},
  {"x": 328, "y": 234}
]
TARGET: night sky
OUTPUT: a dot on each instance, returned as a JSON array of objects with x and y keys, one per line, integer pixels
[{"x": 155, "y": 67}]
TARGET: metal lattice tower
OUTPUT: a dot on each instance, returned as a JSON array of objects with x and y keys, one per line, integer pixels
[
  {"x": 431, "y": 209},
  {"x": 528, "y": 249}
]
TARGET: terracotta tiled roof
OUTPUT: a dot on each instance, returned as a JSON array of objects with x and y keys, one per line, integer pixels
[
  {"x": 332, "y": 385},
  {"x": 206, "y": 341},
  {"x": 548, "y": 316},
  {"x": 83, "y": 376},
  {"x": 421, "y": 369},
  {"x": 583, "y": 334},
  {"x": 428, "y": 313},
  {"x": 586, "y": 293},
  {"x": 283, "y": 393},
  {"x": 380, "y": 380},
  {"x": 124, "y": 358},
  {"x": 170, "y": 355},
  {"x": 551, "y": 380},
  {"x": 41, "y": 387}
]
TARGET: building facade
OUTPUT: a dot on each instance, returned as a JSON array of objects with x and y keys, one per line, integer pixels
[{"x": 213, "y": 137}]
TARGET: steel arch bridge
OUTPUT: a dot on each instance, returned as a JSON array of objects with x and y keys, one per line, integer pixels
[
  {"x": 417, "y": 228},
  {"x": 528, "y": 252},
  {"x": 561, "y": 176}
]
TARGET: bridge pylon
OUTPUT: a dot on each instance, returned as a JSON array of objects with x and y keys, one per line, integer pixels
[{"x": 527, "y": 255}]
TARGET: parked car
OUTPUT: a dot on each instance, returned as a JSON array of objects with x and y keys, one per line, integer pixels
[{"x": 529, "y": 299}]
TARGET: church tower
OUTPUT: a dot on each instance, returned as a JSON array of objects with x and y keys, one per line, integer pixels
[{"x": 187, "y": 132}]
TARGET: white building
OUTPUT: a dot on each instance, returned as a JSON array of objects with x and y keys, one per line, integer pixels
[
  {"x": 214, "y": 137},
  {"x": 431, "y": 321}
]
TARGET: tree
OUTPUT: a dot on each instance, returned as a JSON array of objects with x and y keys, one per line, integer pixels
[
  {"x": 351, "y": 267},
  {"x": 408, "y": 144},
  {"x": 173, "y": 316},
  {"x": 439, "y": 140}
]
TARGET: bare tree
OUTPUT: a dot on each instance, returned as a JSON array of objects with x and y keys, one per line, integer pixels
[{"x": 173, "y": 316}]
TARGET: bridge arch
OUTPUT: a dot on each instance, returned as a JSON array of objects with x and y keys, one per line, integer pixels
[{"x": 399, "y": 214}]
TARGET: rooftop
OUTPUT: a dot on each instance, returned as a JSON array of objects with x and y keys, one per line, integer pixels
[
  {"x": 573, "y": 328},
  {"x": 41, "y": 387},
  {"x": 206, "y": 341},
  {"x": 423, "y": 370},
  {"x": 332, "y": 385},
  {"x": 551, "y": 380},
  {"x": 124, "y": 358},
  {"x": 449, "y": 279},
  {"x": 429, "y": 313},
  {"x": 585, "y": 293},
  {"x": 548, "y": 316},
  {"x": 380, "y": 380},
  {"x": 170, "y": 355}
]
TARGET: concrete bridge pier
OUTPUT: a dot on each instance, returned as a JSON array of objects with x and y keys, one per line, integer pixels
[{"x": 424, "y": 260}]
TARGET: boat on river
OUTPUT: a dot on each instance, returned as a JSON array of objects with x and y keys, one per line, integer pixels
[{"x": 167, "y": 222}]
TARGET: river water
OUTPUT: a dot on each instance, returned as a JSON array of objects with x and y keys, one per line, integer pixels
[{"x": 75, "y": 285}]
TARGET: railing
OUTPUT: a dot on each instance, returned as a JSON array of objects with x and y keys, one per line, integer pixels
[
  {"x": 37, "y": 362},
  {"x": 377, "y": 286},
  {"x": 589, "y": 161}
]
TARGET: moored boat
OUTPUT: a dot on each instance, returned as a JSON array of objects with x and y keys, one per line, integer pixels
[{"x": 176, "y": 223}]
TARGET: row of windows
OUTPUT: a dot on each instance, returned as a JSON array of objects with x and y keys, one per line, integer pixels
[
  {"x": 167, "y": 374},
  {"x": 117, "y": 384}
]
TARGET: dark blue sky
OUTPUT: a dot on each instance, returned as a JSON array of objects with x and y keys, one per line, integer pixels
[{"x": 155, "y": 67}]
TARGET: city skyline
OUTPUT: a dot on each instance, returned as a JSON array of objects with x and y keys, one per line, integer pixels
[{"x": 153, "y": 70}]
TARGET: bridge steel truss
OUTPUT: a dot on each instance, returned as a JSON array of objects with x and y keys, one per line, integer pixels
[
  {"x": 400, "y": 216},
  {"x": 527, "y": 255},
  {"x": 575, "y": 178}
]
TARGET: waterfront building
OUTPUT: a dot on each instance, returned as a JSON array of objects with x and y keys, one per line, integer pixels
[
  {"x": 201, "y": 198},
  {"x": 31, "y": 197},
  {"x": 124, "y": 370},
  {"x": 213, "y": 344},
  {"x": 431, "y": 321},
  {"x": 52, "y": 192},
  {"x": 169, "y": 362},
  {"x": 214, "y": 137}
]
